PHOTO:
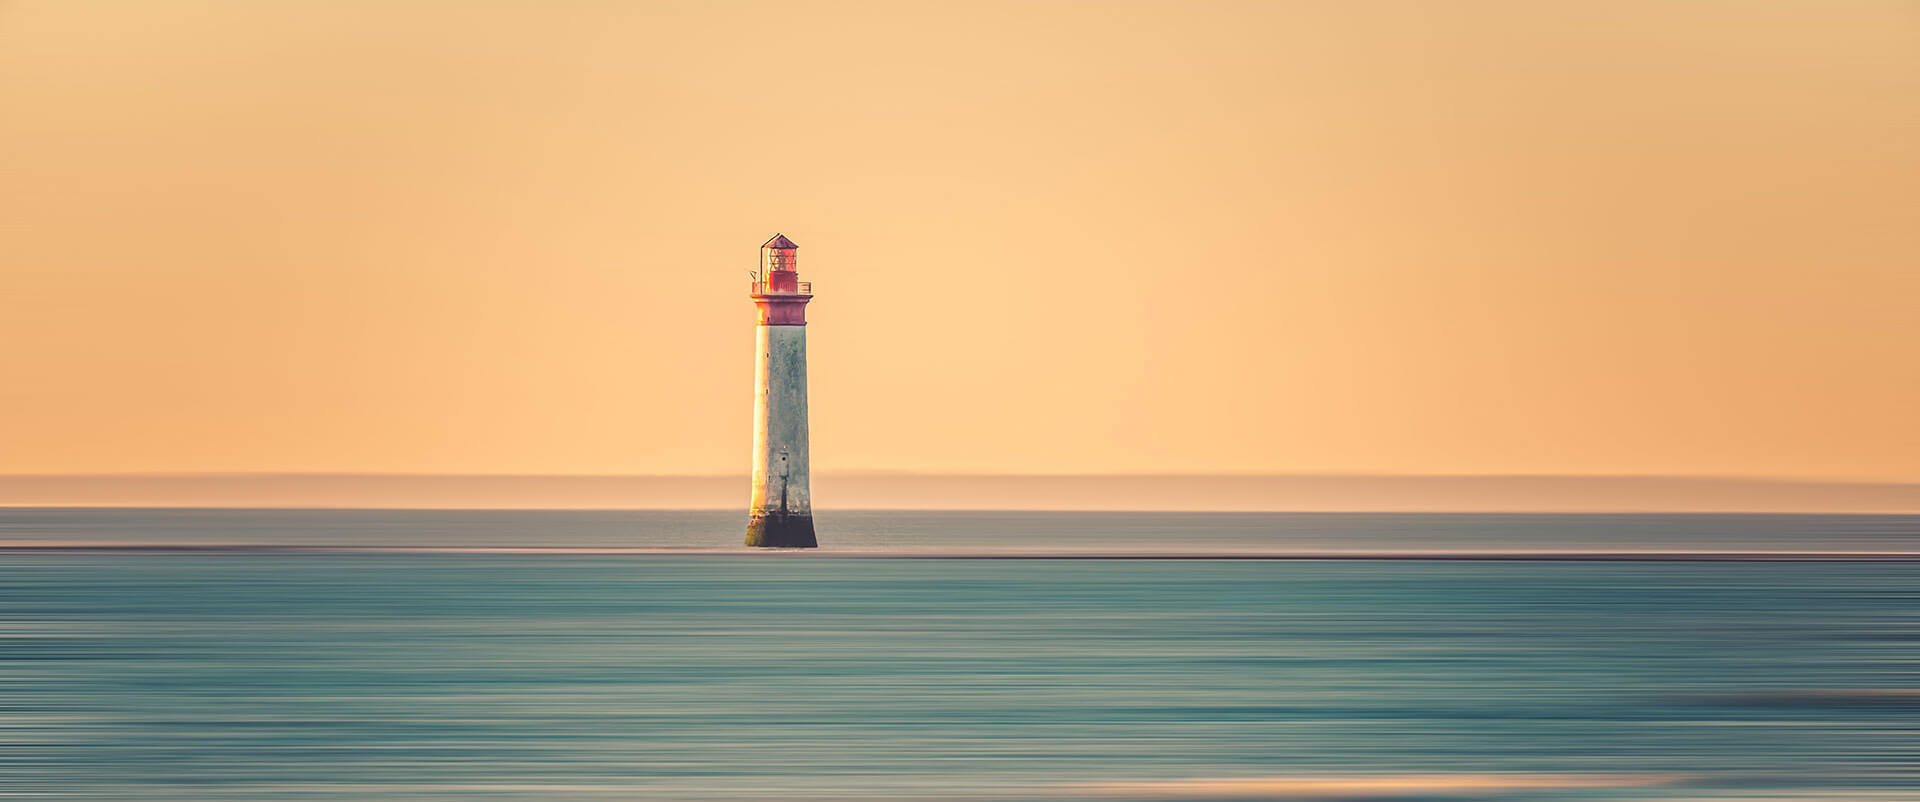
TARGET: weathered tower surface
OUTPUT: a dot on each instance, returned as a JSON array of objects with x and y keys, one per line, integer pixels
[{"x": 782, "y": 508}]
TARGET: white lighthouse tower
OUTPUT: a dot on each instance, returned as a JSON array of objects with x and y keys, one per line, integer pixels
[{"x": 782, "y": 508}]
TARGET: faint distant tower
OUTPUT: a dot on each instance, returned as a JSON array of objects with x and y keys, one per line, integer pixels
[{"x": 782, "y": 509}]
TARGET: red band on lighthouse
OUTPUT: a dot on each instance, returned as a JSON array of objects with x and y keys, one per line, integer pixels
[{"x": 780, "y": 294}]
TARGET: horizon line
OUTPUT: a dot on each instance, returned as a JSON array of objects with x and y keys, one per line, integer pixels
[
  {"x": 903, "y": 473},
  {"x": 14, "y": 507},
  {"x": 1004, "y": 492}
]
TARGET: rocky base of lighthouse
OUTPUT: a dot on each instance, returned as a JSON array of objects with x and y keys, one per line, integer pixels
[{"x": 777, "y": 531}]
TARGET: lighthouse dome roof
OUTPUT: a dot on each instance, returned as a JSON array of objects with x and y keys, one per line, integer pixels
[{"x": 781, "y": 242}]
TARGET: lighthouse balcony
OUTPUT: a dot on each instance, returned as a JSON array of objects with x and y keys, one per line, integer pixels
[{"x": 767, "y": 288}]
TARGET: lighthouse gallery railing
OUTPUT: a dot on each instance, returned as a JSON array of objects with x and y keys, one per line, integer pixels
[{"x": 762, "y": 288}]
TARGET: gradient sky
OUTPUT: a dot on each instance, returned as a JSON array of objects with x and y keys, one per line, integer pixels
[{"x": 512, "y": 237}]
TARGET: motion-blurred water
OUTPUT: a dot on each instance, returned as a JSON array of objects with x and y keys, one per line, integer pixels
[{"x": 335, "y": 676}]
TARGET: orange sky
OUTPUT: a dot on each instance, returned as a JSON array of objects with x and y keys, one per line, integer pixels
[{"x": 512, "y": 237}]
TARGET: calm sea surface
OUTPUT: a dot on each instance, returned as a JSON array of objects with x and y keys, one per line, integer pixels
[{"x": 142, "y": 673}]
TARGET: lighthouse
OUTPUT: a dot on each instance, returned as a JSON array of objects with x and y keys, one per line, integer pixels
[{"x": 781, "y": 511}]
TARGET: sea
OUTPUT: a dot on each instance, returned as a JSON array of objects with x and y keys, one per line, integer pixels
[{"x": 151, "y": 654}]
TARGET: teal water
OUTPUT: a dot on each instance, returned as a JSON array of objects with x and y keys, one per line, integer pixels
[{"x": 336, "y": 676}]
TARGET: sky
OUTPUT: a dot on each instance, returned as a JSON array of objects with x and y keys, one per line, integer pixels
[{"x": 1512, "y": 238}]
